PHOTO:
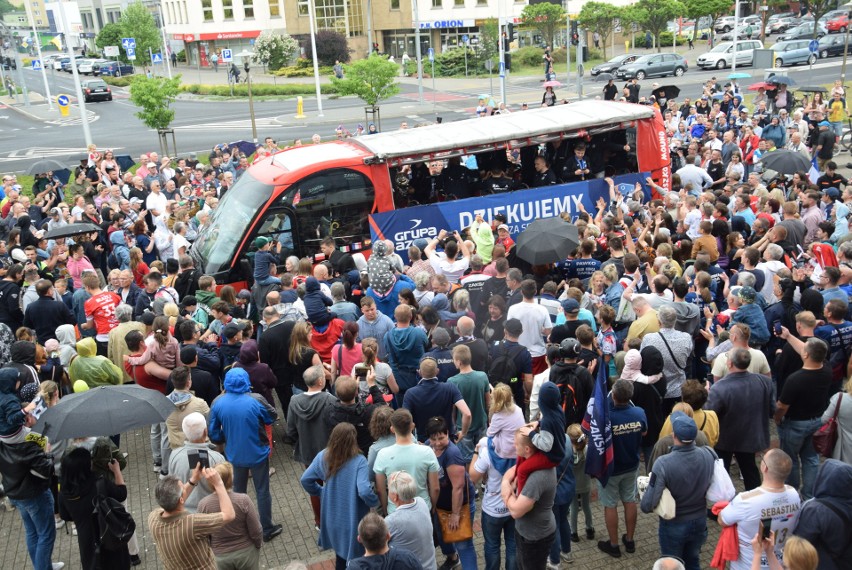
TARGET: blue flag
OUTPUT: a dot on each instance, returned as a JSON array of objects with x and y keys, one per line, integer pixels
[{"x": 596, "y": 424}]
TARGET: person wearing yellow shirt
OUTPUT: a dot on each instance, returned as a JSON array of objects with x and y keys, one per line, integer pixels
[{"x": 836, "y": 114}]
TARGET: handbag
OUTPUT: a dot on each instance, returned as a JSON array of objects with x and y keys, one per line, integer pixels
[
  {"x": 464, "y": 530},
  {"x": 825, "y": 437},
  {"x": 721, "y": 487},
  {"x": 667, "y": 507}
]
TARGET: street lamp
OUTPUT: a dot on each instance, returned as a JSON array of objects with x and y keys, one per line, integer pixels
[
  {"x": 81, "y": 103},
  {"x": 247, "y": 55}
]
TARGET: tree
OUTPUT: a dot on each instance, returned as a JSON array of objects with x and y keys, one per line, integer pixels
[
  {"x": 154, "y": 96},
  {"x": 331, "y": 46},
  {"x": 546, "y": 18},
  {"x": 489, "y": 42},
  {"x": 713, "y": 9},
  {"x": 274, "y": 50},
  {"x": 110, "y": 35},
  {"x": 599, "y": 17},
  {"x": 655, "y": 16},
  {"x": 138, "y": 23},
  {"x": 818, "y": 9},
  {"x": 6, "y": 7},
  {"x": 371, "y": 80}
]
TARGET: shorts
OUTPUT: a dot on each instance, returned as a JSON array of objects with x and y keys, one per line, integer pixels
[{"x": 619, "y": 488}]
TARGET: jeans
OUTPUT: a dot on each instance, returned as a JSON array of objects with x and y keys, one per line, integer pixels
[
  {"x": 260, "y": 478},
  {"x": 492, "y": 528},
  {"x": 585, "y": 500},
  {"x": 796, "y": 440},
  {"x": 562, "y": 541},
  {"x": 748, "y": 468},
  {"x": 684, "y": 540},
  {"x": 465, "y": 549},
  {"x": 40, "y": 527},
  {"x": 468, "y": 444},
  {"x": 532, "y": 554},
  {"x": 159, "y": 443},
  {"x": 837, "y": 127},
  {"x": 268, "y": 280}
]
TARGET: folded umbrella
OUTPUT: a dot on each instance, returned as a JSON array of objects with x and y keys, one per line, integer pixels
[
  {"x": 105, "y": 410},
  {"x": 785, "y": 161},
  {"x": 547, "y": 240},
  {"x": 72, "y": 230}
]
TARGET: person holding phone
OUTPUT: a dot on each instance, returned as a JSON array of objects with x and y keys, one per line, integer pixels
[{"x": 183, "y": 460}]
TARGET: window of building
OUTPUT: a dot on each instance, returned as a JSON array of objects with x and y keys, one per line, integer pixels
[
  {"x": 394, "y": 4},
  {"x": 207, "y": 10},
  {"x": 38, "y": 22},
  {"x": 248, "y": 6},
  {"x": 459, "y": 3},
  {"x": 344, "y": 16},
  {"x": 228, "y": 9},
  {"x": 302, "y": 6},
  {"x": 482, "y": 2},
  {"x": 437, "y": 4},
  {"x": 274, "y": 8}
]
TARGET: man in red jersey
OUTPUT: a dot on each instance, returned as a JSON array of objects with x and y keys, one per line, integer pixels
[{"x": 100, "y": 311}]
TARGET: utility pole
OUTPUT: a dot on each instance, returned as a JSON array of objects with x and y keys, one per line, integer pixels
[
  {"x": 311, "y": 15},
  {"x": 418, "y": 52},
  {"x": 41, "y": 59},
  {"x": 81, "y": 103}
]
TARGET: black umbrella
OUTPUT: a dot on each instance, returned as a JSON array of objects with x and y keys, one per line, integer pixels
[
  {"x": 667, "y": 92},
  {"x": 105, "y": 410},
  {"x": 601, "y": 77},
  {"x": 125, "y": 162},
  {"x": 547, "y": 240},
  {"x": 45, "y": 165},
  {"x": 786, "y": 161},
  {"x": 72, "y": 230},
  {"x": 63, "y": 175},
  {"x": 812, "y": 89},
  {"x": 781, "y": 80},
  {"x": 246, "y": 147}
]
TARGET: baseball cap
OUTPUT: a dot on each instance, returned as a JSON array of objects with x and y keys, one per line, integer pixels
[
  {"x": 152, "y": 165},
  {"x": 503, "y": 227},
  {"x": 260, "y": 242},
  {"x": 571, "y": 306},
  {"x": 513, "y": 327},
  {"x": 832, "y": 193},
  {"x": 748, "y": 294},
  {"x": 744, "y": 110},
  {"x": 135, "y": 200},
  {"x": 684, "y": 427},
  {"x": 55, "y": 211},
  {"x": 824, "y": 124},
  {"x": 231, "y": 329}
]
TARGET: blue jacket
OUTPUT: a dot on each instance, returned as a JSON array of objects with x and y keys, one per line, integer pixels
[
  {"x": 120, "y": 256},
  {"x": 403, "y": 349},
  {"x": 11, "y": 416},
  {"x": 316, "y": 303},
  {"x": 750, "y": 314},
  {"x": 387, "y": 303},
  {"x": 552, "y": 424},
  {"x": 239, "y": 420},
  {"x": 566, "y": 485}
]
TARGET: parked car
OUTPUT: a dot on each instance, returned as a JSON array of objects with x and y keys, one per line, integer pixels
[
  {"x": 60, "y": 61},
  {"x": 803, "y": 32},
  {"x": 66, "y": 64},
  {"x": 831, "y": 15},
  {"x": 831, "y": 45},
  {"x": 781, "y": 25},
  {"x": 113, "y": 69},
  {"x": 839, "y": 24},
  {"x": 724, "y": 24},
  {"x": 87, "y": 66},
  {"x": 722, "y": 55},
  {"x": 659, "y": 64},
  {"x": 791, "y": 52},
  {"x": 96, "y": 90},
  {"x": 741, "y": 34},
  {"x": 613, "y": 64}
]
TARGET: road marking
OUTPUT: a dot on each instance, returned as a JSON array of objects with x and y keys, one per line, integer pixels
[{"x": 266, "y": 123}]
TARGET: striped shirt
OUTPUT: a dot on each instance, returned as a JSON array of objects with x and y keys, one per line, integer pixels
[{"x": 183, "y": 539}]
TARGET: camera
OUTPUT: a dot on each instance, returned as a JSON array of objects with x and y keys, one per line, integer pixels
[{"x": 643, "y": 267}]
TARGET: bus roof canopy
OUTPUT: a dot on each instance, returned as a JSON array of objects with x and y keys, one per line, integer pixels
[{"x": 518, "y": 129}]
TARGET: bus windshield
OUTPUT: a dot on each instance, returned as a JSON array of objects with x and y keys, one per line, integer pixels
[{"x": 216, "y": 246}]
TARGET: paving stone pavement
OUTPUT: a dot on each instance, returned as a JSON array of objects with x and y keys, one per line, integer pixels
[{"x": 290, "y": 507}]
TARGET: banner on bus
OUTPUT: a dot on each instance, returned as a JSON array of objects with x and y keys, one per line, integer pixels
[{"x": 404, "y": 227}]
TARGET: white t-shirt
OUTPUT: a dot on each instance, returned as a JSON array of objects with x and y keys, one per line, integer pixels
[
  {"x": 492, "y": 502},
  {"x": 746, "y": 511},
  {"x": 759, "y": 364},
  {"x": 178, "y": 242},
  {"x": 452, "y": 271},
  {"x": 534, "y": 318},
  {"x": 692, "y": 221},
  {"x": 156, "y": 202}
]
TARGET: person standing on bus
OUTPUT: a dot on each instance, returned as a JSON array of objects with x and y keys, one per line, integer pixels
[
  {"x": 263, "y": 258},
  {"x": 497, "y": 182},
  {"x": 578, "y": 167},
  {"x": 458, "y": 180},
  {"x": 543, "y": 175}
]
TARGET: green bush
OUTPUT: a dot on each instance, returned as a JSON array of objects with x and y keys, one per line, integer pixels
[
  {"x": 665, "y": 40},
  {"x": 528, "y": 56},
  {"x": 303, "y": 68},
  {"x": 258, "y": 89},
  {"x": 124, "y": 81}
]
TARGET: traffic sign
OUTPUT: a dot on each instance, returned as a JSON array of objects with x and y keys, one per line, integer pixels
[
  {"x": 63, "y": 101},
  {"x": 813, "y": 46},
  {"x": 36, "y": 65},
  {"x": 502, "y": 69},
  {"x": 131, "y": 54},
  {"x": 227, "y": 55},
  {"x": 431, "y": 53},
  {"x": 157, "y": 58},
  {"x": 128, "y": 43},
  {"x": 110, "y": 51},
  {"x": 465, "y": 38}
]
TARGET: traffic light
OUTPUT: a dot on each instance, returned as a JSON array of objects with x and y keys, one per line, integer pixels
[
  {"x": 507, "y": 61},
  {"x": 510, "y": 31},
  {"x": 246, "y": 67}
]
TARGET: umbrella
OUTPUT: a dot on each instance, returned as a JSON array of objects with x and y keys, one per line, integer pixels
[
  {"x": 760, "y": 85},
  {"x": 786, "y": 161},
  {"x": 72, "y": 230},
  {"x": 125, "y": 162},
  {"x": 812, "y": 89},
  {"x": 63, "y": 175},
  {"x": 601, "y": 77},
  {"x": 718, "y": 95},
  {"x": 547, "y": 240},
  {"x": 44, "y": 165},
  {"x": 553, "y": 83},
  {"x": 246, "y": 147},
  {"x": 667, "y": 92},
  {"x": 781, "y": 80},
  {"x": 105, "y": 410},
  {"x": 739, "y": 75}
]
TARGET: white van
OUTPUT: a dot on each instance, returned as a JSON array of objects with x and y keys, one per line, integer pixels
[{"x": 722, "y": 55}]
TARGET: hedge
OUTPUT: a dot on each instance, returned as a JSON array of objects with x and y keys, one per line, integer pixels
[{"x": 258, "y": 89}]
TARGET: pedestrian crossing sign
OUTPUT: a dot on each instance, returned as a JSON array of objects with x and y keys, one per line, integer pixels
[
  {"x": 36, "y": 65},
  {"x": 157, "y": 58}
]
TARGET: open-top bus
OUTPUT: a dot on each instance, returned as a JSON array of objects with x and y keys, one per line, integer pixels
[{"x": 351, "y": 189}]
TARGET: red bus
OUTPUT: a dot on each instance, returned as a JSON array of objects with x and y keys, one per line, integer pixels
[{"x": 302, "y": 195}]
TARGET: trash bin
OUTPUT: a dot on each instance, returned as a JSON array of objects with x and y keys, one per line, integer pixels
[{"x": 585, "y": 53}]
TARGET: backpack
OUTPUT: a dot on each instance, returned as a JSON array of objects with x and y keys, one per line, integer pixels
[
  {"x": 115, "y": 523},
  {"x": 503, "y": 367},
  {"x": 652, "y": 361},
  {"x": 566, "y": 380}
]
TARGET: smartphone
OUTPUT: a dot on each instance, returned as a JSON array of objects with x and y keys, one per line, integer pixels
[
  {"x": 193, "y": 458},
  {"x": 204, "y": 458},
  {"x": 767, "y": 527},
  {"x": 777, "y": 326}
]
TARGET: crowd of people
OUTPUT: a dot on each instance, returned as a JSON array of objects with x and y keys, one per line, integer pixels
[{"x": 412, "y": 389}]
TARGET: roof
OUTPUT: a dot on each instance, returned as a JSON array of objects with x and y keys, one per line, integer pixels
[{"x": 521, "y": 128}]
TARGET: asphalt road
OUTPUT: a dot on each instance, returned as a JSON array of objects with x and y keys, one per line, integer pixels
[{"x": 201, "y": 124}]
